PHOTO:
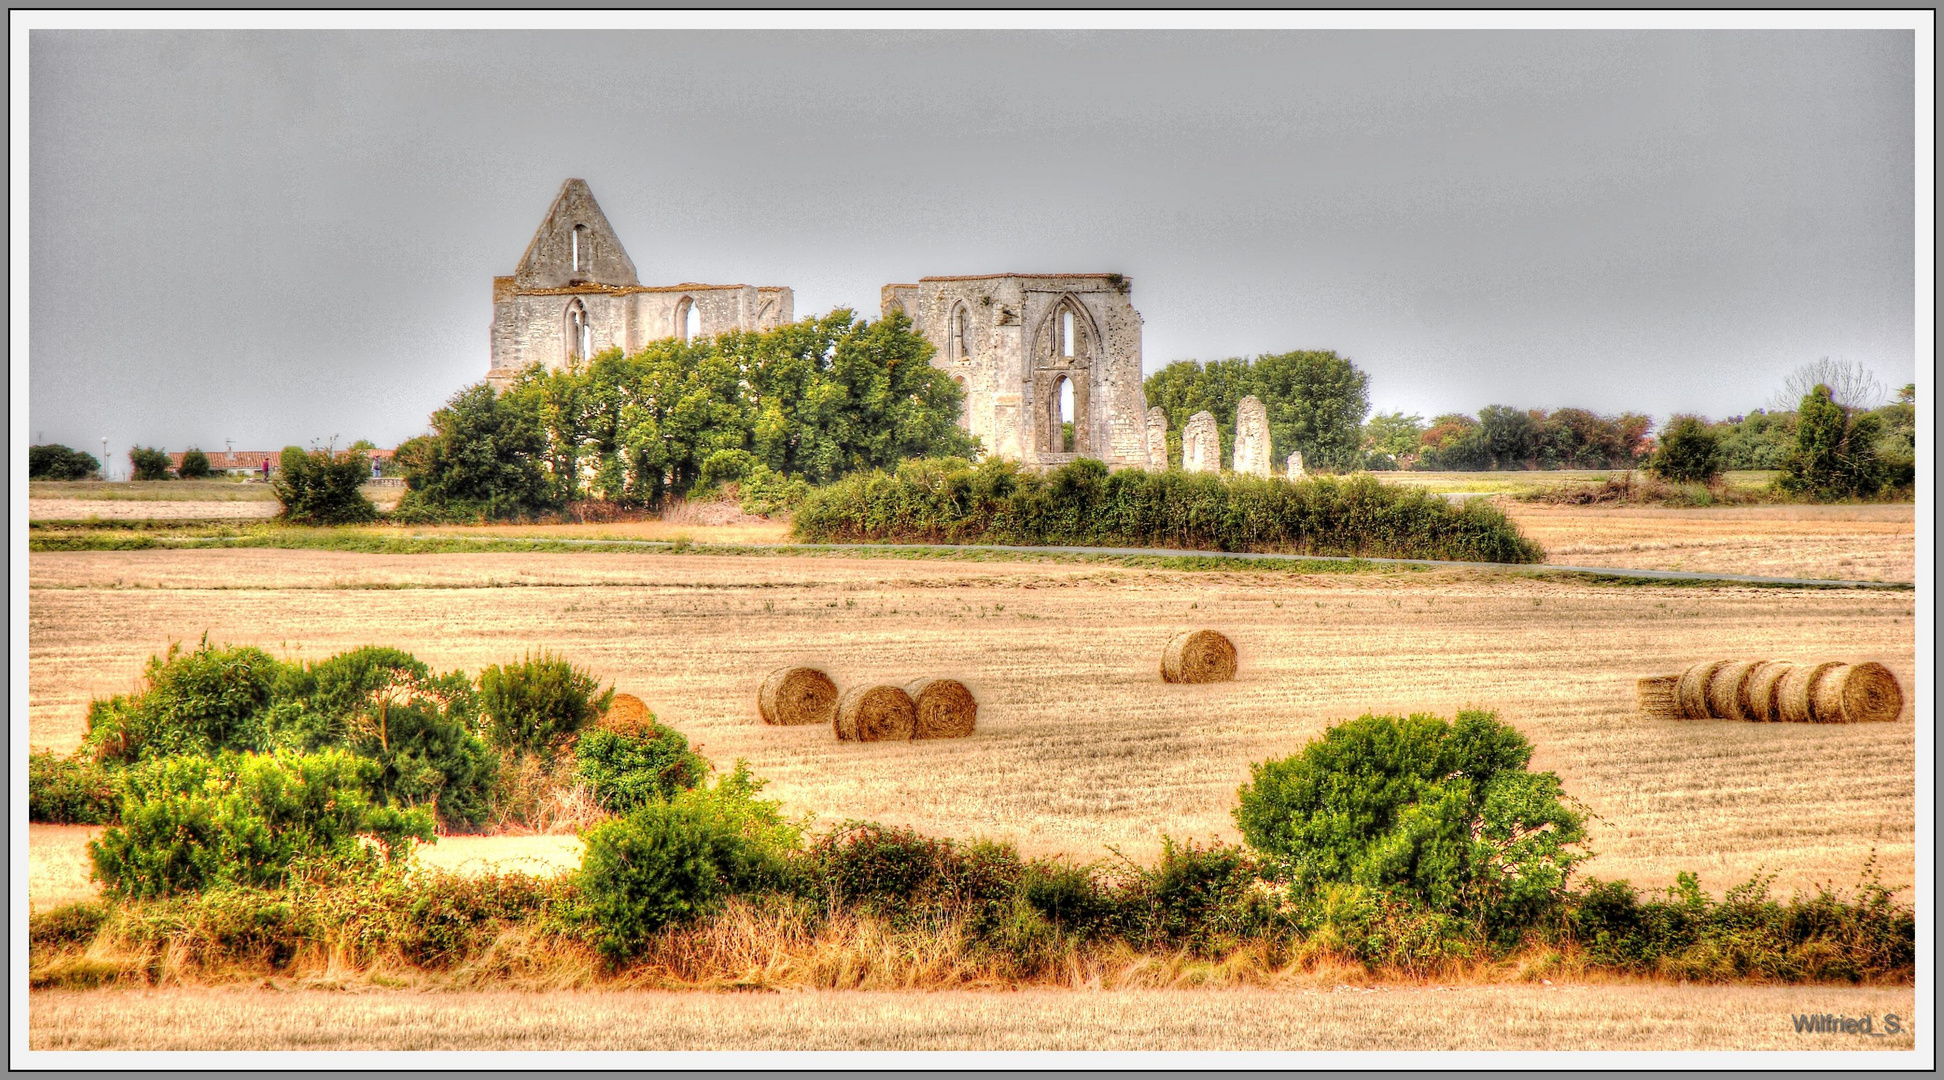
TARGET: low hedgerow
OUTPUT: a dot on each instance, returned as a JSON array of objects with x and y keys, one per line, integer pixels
[{"x": 996, "y": 502}]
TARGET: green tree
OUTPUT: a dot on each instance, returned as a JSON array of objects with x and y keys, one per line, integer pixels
[
  {"x": 1689, "y": 452},
  {"x": 323, "y": 488},
  {"x": 1444, "y": 814},
  {"x": 195, "y": 465},
  {"x": 1397, "y": 434},
  {"x": 1511, "y": 436},
  {"x": 53, "y": 461},
  {"x": 1316, "y": 401},
  {"x": 540, "y": 704},
  {"x": 148, "y": 463},
  {"x": 1835, "y": 455},
  {"x": 486, "y": 457},
  {"x": 1455, "y": 442}
]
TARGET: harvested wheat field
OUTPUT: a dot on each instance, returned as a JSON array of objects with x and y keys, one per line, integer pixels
[
  {"x": 1867, "y": 542},
  {"x": 1079, "y": 743},
  {"x": 1325, "y": 1017}
]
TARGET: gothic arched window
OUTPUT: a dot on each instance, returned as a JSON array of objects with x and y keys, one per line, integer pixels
[{"x": 579, "y": 332}]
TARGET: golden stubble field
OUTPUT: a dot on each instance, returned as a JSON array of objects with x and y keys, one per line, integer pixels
[
  {"x": 1080, "y": 746},
  {"x": 1625, "y": 1017}
]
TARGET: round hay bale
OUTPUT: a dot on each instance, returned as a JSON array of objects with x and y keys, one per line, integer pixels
[
  {"x": 875, "y": 713},
  {"x": 945, "y": 709},
  {"x": 1796, "y": 692},
  {"x": 1725, "y": 689},
  {"x": 1657, "y": 697},
  {"x": 797, "y": 695},
  {"x": 1762, "y": 688},
  {"x": 1198, "y": 656},
  {"x": 1691, "y": 693},
  {"x": 627, "y": 715},
  {"x": 1856, "y": 694}
]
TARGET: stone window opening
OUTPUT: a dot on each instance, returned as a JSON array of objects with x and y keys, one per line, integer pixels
[
  {"x": 1066, "y": 333},
  {"x": 580, "y": 333},
  {"x": 1063, "y": 412},
  {"x": 961, "y": 343},
  {"x": 688, "y": 321},
  {"x": 576, "y": 241}
]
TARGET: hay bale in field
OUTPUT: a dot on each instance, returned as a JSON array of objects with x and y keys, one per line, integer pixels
[
  {"x": 1657, "y": 697},
  {"x": 1198, "y": 656},
  {"x": 1763, "y": 686},
  {"x": 945, "y": 709},
  {"x": 1856, "y": 694},
  {"x": 1795, "y": 695},
  {"x": 874, "y": 714},
  {"x": 627, "y": 715},
  {"x": 1691, "y": 694},
  {"x": 797, "y": 695},
  {"x": 1727, "y": 688}
]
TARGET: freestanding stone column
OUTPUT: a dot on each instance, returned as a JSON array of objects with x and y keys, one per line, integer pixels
[
  {"x": 1252, "y": 438},
  {"x": 1157, "y": 427},
  {"x": 1296, "y": 465},
  {"x": 1201, "y": 444}
]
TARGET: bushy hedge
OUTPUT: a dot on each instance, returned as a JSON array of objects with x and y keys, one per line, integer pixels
[
  {"x": 996, "y": 502},
  {"x": 539, "y": 705},
  {"x": 630, "y": 769},
  {"x": 71, "y": 790},
  {"x": 190, "y": 823},
  {"x": 52, "y": 461},
  {"x": 324, "y": 488}
]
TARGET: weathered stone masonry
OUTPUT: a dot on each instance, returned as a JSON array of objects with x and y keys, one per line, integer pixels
[{"x": 575, "y": 294}]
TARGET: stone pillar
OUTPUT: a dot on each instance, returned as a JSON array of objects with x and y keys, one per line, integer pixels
[
  {"x": 1252, "y": 438},
  {"x": 1201, "y": 444},
  {"x": 1296, "y": 465},
  {"x": 1157, "y": 439}
]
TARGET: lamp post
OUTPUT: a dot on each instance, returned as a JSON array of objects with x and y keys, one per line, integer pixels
[{"x": 104, "y": 457}]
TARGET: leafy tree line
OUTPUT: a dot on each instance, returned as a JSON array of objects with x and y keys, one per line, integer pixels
[
  {"x": 1316, "y": 401},
  {"x": 815, "y": 400},
  {"x": 1502, "y": 437},
  {"x": 1823, "y": 449},
  {"x": 52, "y": 461}
]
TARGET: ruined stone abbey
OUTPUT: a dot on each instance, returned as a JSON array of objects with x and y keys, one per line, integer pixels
[{"x": 1050, "y": 363}]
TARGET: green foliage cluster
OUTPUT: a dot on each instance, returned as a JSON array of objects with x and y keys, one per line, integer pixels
[
  {"x": 1689, "y": 452},
  {"x": 195, "y": 465},
  {"x": 1444, "y": 815},
  {"x": 419, "y": 728},
  {"x": 1502, "y": 437},
  {"x": 71, "y": 790},
  {"x": 1836, "y": 454},
  {"x": 669, "y": 862},
  {"x": 996, "y": 502},
  {"x": 147, "y": 463},
  {"x": 1316, "y": 401},
  {"x": 539, "y": 705},
  {"x": 627, "y": 770},
  {"x": 812, "y": 401},
  {"x": 323, "y": 488},
  {"x": 192, "y": 823},
  {"x": 52, "y": 461}
]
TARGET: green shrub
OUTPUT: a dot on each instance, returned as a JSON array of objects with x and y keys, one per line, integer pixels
[
  {"x": 997, "y": 502},
  {"x": 70, "y": 790},
  {"x": 323, "y": 488},
  {"x": 725, "y": 467},
  {"x": 191, "y": 823},
  {"x": 52, "y": 461},
  {"x": 67, "y": 925},
  {"x": 668, "y": 863},
  {"x": 192, "y": 703},
  {"x": 385, "y": 704},
  {"x": 484, "y": 459},
  {"x": 1689, "y": 452},
  {"x": 1444, "y": 814},
  {"x": 628, "y": 770},
  {"x": 195, "y": 465},
  {"x": 767, "y": 492},
  {"x": 147, "y": 463},
  {"x": 540, "y": 704},
  {"x": 1195, "y": 897}
]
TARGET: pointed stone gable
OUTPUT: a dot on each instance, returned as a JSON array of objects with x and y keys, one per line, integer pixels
[{"x": 574, "y": 225}]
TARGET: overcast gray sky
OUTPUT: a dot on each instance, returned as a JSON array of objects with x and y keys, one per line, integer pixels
[{"x": 277, "y": 237}]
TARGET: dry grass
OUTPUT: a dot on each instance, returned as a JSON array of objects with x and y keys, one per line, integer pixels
[
  {"x": 152, "y": 491},
  {"x": 1871, "y": 542},
  {"x": 1524, "y": 482},
  {"x": 1319, "y": 1017},
  {"x": 42, "y": 509},
  {"x": 1080, "y": 744}
]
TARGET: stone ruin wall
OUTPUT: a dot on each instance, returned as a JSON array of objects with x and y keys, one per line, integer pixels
[{"x": 999, "y": 337}]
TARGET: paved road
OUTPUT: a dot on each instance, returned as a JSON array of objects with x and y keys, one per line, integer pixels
[{"x": 1517, "y": 568}]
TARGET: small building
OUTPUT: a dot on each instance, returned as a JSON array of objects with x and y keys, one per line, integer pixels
[
  {"x": 250, "y": 462},
  {"x": 1050, "y": 363},
  {"x": 575, "y": 294}
]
